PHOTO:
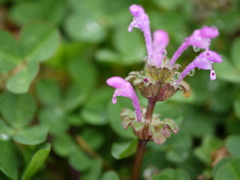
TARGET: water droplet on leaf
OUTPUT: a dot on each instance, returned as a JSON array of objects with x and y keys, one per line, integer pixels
[{"x": 4, "y": 136}]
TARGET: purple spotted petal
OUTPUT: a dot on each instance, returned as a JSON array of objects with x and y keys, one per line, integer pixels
[
  {"x": 124, "y": 88},
  {"x": 141, "y": 21},
  {"x": 160, "y": 42},
  {"x": 201, "y": 38},
  {"x": 205, "y": 61}
]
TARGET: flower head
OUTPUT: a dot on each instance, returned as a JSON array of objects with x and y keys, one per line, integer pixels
[
  {"x": 201, "y": 38},
  {"x": 124, "y": 88},
  {"x": 141, "y": 21},
  {"x": 205, "y": 61},
  {"x": 160, "y": 42}
]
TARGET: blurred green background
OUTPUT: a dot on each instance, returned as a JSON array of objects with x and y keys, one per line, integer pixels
[{"x": 57, "y": 121}]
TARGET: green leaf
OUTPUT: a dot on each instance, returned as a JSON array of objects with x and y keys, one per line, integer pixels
[
  {"x": 108, "y": 56},
  {"x": 201, "y": 121},
  {"x": 94, "y": 112},
  {"x": 209, "y": 144},
  {"x": 236, "y": 53},
  {"x": 233, "y": 145},
  {"x": 123, "y": 150},
  {"x": 74, "y": 120},
  {"x": 178, "y": 147},
  {"x": 227, "y": 71},
  {"x": 37, "y": 161},
  {"x": 10, "y": 55},
  {"x": 110, "y": 175},
  {"x": 74, "y": 98},
  {"x": 21, "y": 81},
  {"x": 5, "y": 131},
  {"x": 48, "y": 91},
  {"x": 24, "y": 12},
  {"x": 113, "y": 114},
  {"x": 168, "y": 5},
  {"x": 84, "y": 74},
  {"x": 88, "y": 28},
  {"x": 8, "y": 160},
  {"x": 220, "y": 103},
  {"x": 79, "y": 161},
  {"x": 222, "y": 162},
  {"x": 17, "y": 110},
  {"x": 173, "y": 174},
  {"x": 95, "y": 171},
  {"x": 162, "y": 177},
  {"x": 32, "y": 135},
  {"x": 64, "y": 145},
  {"x": 172, "y": 23},
  {"x": 130, "y": 45},
  {"x": 237, "y": 107},
  {"x": 93, "y": 137},
  {"x": 39, "y": 41},
  {"x": 229, "y": 170},
  {"x": 55, "y": 118}
]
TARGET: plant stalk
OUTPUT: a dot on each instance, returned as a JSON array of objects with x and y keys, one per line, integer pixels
[
  {"x": 150, "y": 108},
  {"x": 138, "y": 159},
  {"x": 142, "y": 144}
]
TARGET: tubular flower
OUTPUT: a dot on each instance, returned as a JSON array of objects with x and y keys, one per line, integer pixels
[
  {"x": 201, "y": 38},
  {"x": 160, "y": 42},
  {"x": 141, "y": 21},
  {"x": 124, "y": 88},
  {"x": 204, "y": 61}
]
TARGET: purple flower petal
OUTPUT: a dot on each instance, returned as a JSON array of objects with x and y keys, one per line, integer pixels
[
  {"x": 209, "y": 32},
  {"x": 212, "y": 74},
  {"x": 124, "y": 88},
  {"x": 204, "y": 61},
  {"x": 141, "y": 21},
  {"x": 201, "y": 38},
  {"x": 160, "y": 42}
]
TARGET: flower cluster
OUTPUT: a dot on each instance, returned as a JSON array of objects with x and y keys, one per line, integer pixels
[{"x": 160, "y": 78}]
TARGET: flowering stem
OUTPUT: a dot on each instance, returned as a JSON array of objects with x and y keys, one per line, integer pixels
[
  {"x": 150, "y": 108},
  {"x": 138, "y": 159},
  {"x": 142, "y": 143}
]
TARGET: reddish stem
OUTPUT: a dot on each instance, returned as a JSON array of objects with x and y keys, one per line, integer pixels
[{"x": 138, "y": 159}]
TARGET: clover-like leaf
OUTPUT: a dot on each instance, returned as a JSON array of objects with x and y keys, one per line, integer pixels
[
  {"x": 17, "y": 110},
  {"x": 32, "y": 135},
  {"x": 23, "y": 12},
  {"x": 123, "y": 150},
  {"x": 39, "y": 41},
  {"x": 8, "y": 160},
  {"x": 20, "y": 82},
  {"x": 10, "y": 54}
]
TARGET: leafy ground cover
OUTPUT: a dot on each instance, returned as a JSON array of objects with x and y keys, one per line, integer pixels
[{"x": 57, "y": 120}]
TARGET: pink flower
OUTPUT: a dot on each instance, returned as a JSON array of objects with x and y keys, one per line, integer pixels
[
  {"x": 160, "y": 42},
  {"x": 204, "y": 61},
  {"x": 141, "y": 21},
  {"x": 201, "y": 38},
  {"x": 125, "y": 89}
]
